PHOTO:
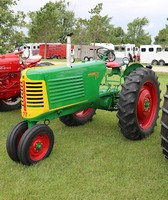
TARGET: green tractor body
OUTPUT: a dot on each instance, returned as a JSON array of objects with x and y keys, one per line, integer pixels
[
  {"x": 52, "y": 92},
  {"x": 72, "y": 94},
  {"x": 67, "y": 90}
]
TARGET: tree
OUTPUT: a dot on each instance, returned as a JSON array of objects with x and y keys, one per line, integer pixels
[
  {"x": 98, "y": 26},
  {"x": 51, "y": 23},
  {"x": 80, "y": 32},
  {"x": 9, "y": 24},
  {"x": 136, "y": 33},
  {"x": 162, "y": 37},
  {"x": 116, "y": 35},
  {"x": 97, "y": 29}
]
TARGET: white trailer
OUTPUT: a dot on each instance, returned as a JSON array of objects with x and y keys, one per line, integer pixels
[
  {"x": 153, "y": 54},
  {"x": 31, "y": 49},
  {"x": 88, "y": 52},
  {"x": 85, "y": 52},
  {"x": 126, "y": 50}
]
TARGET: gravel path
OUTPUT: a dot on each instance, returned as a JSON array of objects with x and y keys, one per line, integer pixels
[{"x": 160, "y": 68}]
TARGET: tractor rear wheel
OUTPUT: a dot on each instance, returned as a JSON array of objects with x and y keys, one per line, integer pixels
[
  {"x": 36, "y": 144},
  {"x": 10, "y": 104},
  {"x": 164, "y": 125},
  {"x": 14, "y": 139},
  {"x": 138, "y": 105},
  {"x": 78, "y": 118}
]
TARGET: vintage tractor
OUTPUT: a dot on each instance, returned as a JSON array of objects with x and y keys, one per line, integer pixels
[
  {"x": 11, "y": 65},
  {"x": 164, "y": 125},
  {"x": 72, "y": 93}
]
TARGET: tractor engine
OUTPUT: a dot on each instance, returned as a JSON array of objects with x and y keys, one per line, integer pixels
[
  {"x": 58, "y": 91},
  {"x": 9, "y": 83}
]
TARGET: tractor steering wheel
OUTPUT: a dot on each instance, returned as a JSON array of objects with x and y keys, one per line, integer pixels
[{"x": 105, "y": 54}]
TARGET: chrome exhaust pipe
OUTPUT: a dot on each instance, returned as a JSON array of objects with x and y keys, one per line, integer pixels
[{"x": 68, "y": 50}]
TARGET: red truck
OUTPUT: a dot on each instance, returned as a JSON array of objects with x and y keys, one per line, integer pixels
[{"x": 49, "y": 50}]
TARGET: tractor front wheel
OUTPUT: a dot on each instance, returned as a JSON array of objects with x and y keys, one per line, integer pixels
[
  {"x": 78, "y": 118},
  {"x": 14, "y": 139},
  {"x": 36, "y": 144},
  {"x": 138, "y": 106}
]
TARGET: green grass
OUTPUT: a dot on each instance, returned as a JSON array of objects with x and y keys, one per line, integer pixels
[{"x": 89, "y": 162}]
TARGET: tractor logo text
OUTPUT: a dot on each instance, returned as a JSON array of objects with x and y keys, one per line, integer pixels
[
  {"x": 4, "y": 68},
  {"x": 95, "y": 74}
]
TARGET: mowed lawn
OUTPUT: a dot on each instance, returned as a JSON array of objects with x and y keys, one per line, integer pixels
[{"x": 93, "y": 161}]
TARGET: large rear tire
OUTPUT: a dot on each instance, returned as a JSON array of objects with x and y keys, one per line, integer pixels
[
  {"x": 164, "y": 125},
  {"x": 78, "y": 118},
  {"x": 138, "y": 105}
]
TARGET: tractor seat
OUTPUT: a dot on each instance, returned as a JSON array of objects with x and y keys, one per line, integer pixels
[{"x": 118, "y": 62}]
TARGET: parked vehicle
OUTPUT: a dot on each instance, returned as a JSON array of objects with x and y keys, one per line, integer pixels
[
  {"x": 73, "y": 92},
  {"x": 55, "y": 50},
  {"x": 127, "y": 50},
  {"x": 88, "y": 52},
  {"x": 31, "y": 49},
  {"x": 85, "y": 52},
  {"x": 154, "y": 54},
  {"x": 11, "y": 65}
]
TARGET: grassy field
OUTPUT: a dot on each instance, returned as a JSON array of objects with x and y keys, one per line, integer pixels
[{"x": 89, "y": 162}]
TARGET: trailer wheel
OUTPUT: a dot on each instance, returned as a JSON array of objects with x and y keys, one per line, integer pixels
[
  {"x": 51, "y": 56},
  {"x": 86, "y": 58},
  {"x": 36, "y": 144},
  {"x": 164, "y": 125},
  {"x": 10, "y": 104},
  {"x": 155, "y": 62},
  {"x": 78, "y": 118},
  {"x": 162, "y": 62},
  {"x": 14, "y": 139},
  {"x": 138, "y": 105}
]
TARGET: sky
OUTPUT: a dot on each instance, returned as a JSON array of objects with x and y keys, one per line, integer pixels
[{"x": 121, "y": 11}]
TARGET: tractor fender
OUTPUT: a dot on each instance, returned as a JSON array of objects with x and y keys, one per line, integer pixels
[{"x": 131, "y": 68}]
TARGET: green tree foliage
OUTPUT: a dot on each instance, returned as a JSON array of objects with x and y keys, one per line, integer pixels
[
  {"x": 162, "y": 37},
  {"x": 9, "y": 24},
  {"x": 116, "y": 35},
  {"x": 98, "y": 26},
  {"x": 51, "y": 23},
  {"x": 80, "y": 32},
  {"x": 136, "y": 33},
  {"x": 97, "y": 29}
]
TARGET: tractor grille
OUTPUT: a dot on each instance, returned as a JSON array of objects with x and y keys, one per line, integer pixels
[
  {"x": 32, "y": 94},
  {"x": 65, "y": 89}
]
